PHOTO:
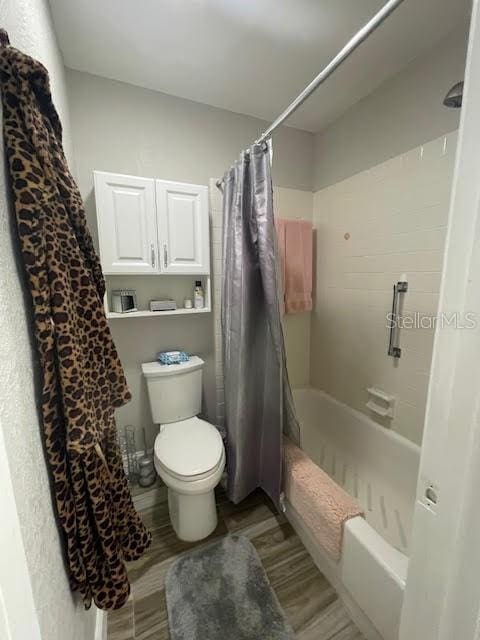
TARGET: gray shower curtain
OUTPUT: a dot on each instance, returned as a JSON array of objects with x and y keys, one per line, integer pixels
[{"x": 258, "y": 399}]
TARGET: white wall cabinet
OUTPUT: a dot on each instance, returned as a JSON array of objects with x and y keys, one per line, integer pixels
[
  {"x": 183, "y": 227},
  {"x": 127, "y": 223},
  {"x": 148, "y": 226}
]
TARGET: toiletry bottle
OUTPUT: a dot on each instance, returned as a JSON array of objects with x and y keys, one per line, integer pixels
[{"x": 198, "y": 297}]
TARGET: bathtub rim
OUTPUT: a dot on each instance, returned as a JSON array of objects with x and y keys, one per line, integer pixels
[
  {"x": 360, "y": 537},
  {"x": 393, "y": 561},
  {"x": 331, "y": 570},
  {"x": 384, "y": 435},
  {"x": 384, "y": 432}
]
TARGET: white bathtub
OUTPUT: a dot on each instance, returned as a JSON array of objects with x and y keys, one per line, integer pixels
[{"x": 379, "y": 469}]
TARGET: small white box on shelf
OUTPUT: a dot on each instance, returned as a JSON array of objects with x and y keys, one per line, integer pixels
[{"x": 167, "y": 304}]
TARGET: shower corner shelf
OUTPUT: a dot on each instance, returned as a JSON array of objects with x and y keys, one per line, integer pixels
[{"x": 381, "y": 403}]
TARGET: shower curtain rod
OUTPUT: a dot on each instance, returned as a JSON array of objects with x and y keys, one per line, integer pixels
[
  {"x": 354, "y": 42},
  {"x": 341, "y": 56}
]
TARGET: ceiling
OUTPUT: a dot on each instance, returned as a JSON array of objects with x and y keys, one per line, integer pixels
[{"x": 249, "y": 56}]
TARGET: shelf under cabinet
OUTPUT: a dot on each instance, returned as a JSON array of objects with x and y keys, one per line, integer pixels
[
  {"x": 111, "y": 315},
  {"x": 177, "y": 288}
]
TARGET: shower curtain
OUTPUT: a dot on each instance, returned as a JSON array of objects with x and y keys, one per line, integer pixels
[{"x": 258, "y": 399}]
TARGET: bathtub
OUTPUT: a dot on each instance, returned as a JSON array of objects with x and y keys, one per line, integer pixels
[{"x": 379, "y": 469}]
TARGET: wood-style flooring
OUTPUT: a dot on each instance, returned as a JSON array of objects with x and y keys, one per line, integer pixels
[{"x": 310, "y": 603}]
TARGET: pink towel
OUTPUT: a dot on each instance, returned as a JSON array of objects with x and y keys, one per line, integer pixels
[
  {"x": 295, "y": 246},
  {"x": 320, "y": 502}
]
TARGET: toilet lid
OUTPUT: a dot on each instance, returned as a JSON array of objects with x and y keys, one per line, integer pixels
[{"x": 189, "y": 447}]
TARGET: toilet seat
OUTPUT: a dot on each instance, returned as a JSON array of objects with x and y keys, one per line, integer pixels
[
  {"x": 189, "y": 450},
  {"x": 165, "y": 473}
]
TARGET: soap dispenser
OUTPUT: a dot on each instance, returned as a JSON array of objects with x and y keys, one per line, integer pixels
[{"x": 198, "y": 297}]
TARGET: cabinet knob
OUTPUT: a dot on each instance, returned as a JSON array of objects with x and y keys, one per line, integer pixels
[{"x": 165, "y": 256}]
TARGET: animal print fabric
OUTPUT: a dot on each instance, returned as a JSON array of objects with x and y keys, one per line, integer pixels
[{"x": 82, "y": 378}]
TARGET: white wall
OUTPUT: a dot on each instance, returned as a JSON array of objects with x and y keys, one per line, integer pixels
[
  {"x": 124, "y": 128},
  {"x": 394, "y": 215},
  {"x": 404, "y": 112},
  {"x": 127, "y": 129},
  {"x": 61, "y": 615}
]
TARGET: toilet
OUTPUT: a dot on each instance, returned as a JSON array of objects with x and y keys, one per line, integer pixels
[{"x": 189, "y": 454}]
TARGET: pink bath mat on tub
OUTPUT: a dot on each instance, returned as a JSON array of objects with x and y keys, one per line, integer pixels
[{"x": 321, "y": 503}]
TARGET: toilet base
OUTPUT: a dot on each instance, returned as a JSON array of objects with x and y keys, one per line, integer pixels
[{"x": 193, "y": 517}]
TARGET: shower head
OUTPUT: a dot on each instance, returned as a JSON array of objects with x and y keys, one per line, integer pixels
[{"x": 453, "y": 99}]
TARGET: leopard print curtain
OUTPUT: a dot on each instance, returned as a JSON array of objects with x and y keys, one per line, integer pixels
[{"x": 82, "y": 380}]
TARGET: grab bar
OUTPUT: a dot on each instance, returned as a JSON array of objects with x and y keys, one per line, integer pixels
[{"x": 393, "y": 349}]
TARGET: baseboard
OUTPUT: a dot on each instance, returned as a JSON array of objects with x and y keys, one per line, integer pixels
[
  {"x": 101, "y": 625},
  {"x": 330, "y": 570}
]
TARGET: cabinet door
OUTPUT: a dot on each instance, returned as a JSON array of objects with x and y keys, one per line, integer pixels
[
  {"x": 183, "y": 229},
  {"x": 127, "y": 227}
]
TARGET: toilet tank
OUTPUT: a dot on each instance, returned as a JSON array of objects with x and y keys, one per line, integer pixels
[{"x": 174, "y": 390}]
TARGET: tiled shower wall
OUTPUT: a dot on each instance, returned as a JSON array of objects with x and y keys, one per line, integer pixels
[
  {"x": 216, "y": 217},
  {"x": 372, "y": 229},
  {"x": 288, "y": 203}
]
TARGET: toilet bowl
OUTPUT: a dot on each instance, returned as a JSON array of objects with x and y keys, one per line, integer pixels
[
  {"x": 189, "y": 454},
  {"x": 190, "y": 458}
]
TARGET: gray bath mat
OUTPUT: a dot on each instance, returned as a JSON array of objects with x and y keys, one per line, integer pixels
[{"x": 221, "y": 592}]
